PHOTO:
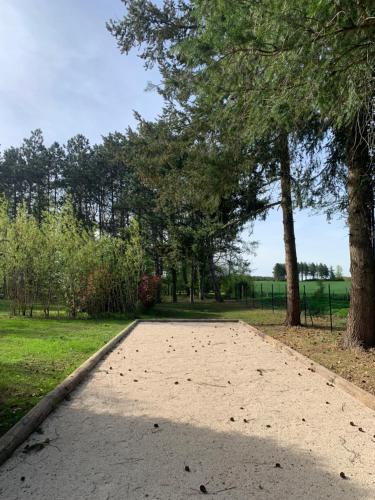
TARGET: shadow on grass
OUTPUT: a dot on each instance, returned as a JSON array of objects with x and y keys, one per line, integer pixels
[
  {"x": 325, "y": 327},
  {"x": 209, "y": 308},
  {"x": 238, "y": 310},
  {"x": 104, "y": 455},
  {"x": 24, "y": 382}
]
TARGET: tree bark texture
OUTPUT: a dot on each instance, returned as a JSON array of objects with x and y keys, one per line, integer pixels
[
  {"x": 361, "y": 321},
  {"x": 174, "y": 285},
  {"x": 215, "y": 283},
  {"x": 293, "y": 300},
  {"x": 192, "y": 281}
]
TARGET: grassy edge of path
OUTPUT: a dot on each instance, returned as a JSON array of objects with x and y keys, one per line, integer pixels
[{"x": 37, "y": 354}]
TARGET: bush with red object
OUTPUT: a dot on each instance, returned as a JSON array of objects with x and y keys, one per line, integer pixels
[{"x": 148, "y": 290}]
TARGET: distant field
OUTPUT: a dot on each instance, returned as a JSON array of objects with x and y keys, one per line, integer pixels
[
  {"x": 337, "y": 287},
  {"x": 314, "y": 296}
]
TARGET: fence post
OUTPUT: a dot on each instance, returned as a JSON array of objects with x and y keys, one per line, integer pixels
[
  {"x": 261, "y": 295},
  {"x": 273, "y": 305},
  {"x": 330, "y": 306},
  {"x": 304, "y": 303}
]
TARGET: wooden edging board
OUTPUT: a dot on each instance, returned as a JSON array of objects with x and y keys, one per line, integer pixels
[
  {"x": 34, "y": 418},
  {"x": 361, "y": 395}
]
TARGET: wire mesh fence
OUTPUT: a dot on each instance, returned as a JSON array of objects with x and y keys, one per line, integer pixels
[
  {"x": 318, "y": 299},
  {"x": 328, "y": 300},
  {"x": 37, "y": 310}
]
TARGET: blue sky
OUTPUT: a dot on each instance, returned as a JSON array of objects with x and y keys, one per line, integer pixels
[
  {"x": 62, "y": 72},
  {"x": 316, "y": 239}
]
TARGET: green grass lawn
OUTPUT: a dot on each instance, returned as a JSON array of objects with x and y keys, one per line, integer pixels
[
  {"x": 37, "y": 354},
  {"x": 226, "y": 310}
]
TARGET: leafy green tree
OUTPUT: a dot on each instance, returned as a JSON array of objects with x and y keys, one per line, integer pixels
[
  {"x": 183, "y": 224},
  {"x": 312, "y": 270},
  {"x": 59, "y": 261},
  {"x": 56, "y": 162},
  {"x": 77, "y": 257},
  {"x": 4, "y": 226},
  {"x": 207, "y": 59},
  {"x": 78, "y": 179},
  {"x": 24, "y": 175},
  {"x": 12, "y": 182},
  {"x": 338, "y": 273},
  {"x": 322, "y": 271},
  {"x": 49, "y": 259},
  {"x": 22, "y": 267},
  {"x": 332, "y": 275},
  {"x": 305, "y": 268},
  {"x": 281, "y": 65},
  {"x": 279, "y": 272},
  {"x": 36, "y": 174},
  {"x": 131, "y": 265}
]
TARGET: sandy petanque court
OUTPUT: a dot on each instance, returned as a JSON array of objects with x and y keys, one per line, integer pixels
[{"x": 181, "y": 410}]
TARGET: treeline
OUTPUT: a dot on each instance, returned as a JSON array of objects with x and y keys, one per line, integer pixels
[
  {"x": 279, "y": 93},
  {"x": 59, "y": 262},
  {"x": 309, "y": 271},
  {"x": 140, "y": 176},
  {"x": 97, "y": 179}
]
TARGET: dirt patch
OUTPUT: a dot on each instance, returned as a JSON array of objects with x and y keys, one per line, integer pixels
[{"x": 324, "y": 347}]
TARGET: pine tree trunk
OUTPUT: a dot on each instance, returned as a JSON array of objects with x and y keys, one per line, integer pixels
[
  {"x": 201, "y": 281},
  {"x": 215, "y": 283},
  {"x": 291, "y": 265},
  {"x": 361, "y": 321},
  {"x": 192, "y": 281},
  {"x": 159, "y": 272},
  {"x": 113, "y": 232},
  {"x": 185, "y": 277},
  {"x": 174, "y": 285}
]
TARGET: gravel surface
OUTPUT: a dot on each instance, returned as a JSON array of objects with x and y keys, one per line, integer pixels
[{"x": 181, "y": 410}]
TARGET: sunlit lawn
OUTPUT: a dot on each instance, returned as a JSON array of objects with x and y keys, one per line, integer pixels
[{"x": 37, "y": 354}]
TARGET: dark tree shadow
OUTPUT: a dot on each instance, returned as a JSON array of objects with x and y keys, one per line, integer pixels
[{"x": 100, "y": 456}]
